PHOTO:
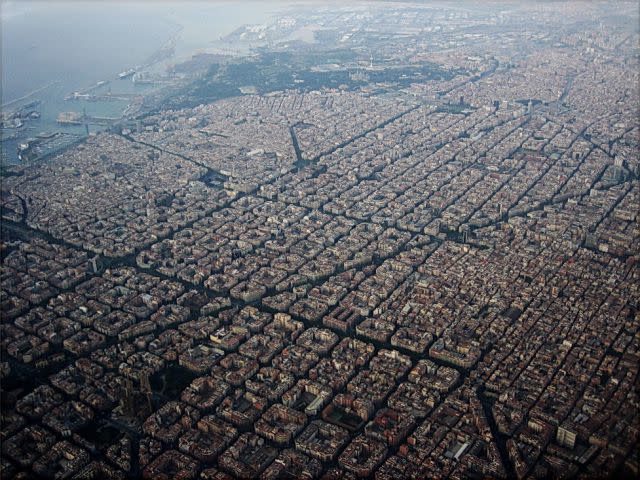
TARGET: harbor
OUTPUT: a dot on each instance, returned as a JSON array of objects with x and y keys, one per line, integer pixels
[{"x": 134, "y": 64}]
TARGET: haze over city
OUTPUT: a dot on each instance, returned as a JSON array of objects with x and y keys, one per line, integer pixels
[{"x": 319, "y": 240}]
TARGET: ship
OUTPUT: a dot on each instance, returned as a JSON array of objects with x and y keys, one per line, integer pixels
[
  {"x": 31, "y": 105},
  {"x": 46, "y": 135},
  {"x": 126, "y": 74}
]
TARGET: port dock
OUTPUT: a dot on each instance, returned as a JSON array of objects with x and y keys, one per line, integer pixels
[{"x": 76, "y": 118}]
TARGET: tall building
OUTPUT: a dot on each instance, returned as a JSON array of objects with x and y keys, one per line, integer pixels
[
  {"x": 127, "y": 403},
  {"x": 566, "y": 436}
]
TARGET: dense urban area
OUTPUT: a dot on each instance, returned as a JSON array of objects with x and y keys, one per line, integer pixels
[{"x": 418, "y": 259}]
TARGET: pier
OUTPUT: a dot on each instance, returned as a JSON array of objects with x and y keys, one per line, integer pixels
[
  {"x": 76, "y": 118},
  {"x": 103, "y": 97}
]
